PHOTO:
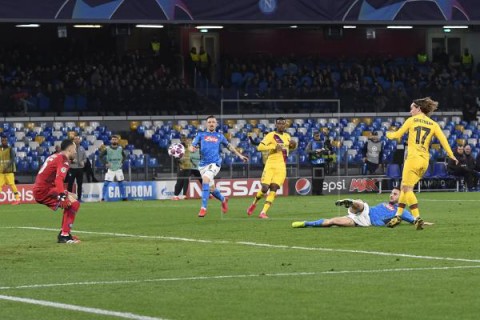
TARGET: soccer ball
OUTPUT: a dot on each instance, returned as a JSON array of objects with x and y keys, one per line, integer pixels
[{"x": 176, "y": 150}]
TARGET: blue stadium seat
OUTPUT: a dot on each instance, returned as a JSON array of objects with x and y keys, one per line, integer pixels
[
  {"x": 81, "y": 102},
  {"x": 440, "y": 170},
  {"x": 23, "y": 166},
  {"x": 152, "y": 162},
  {"x": 69, "y": 103},
  {"x": 428, "y": 174},
  {"x": 35, "y": 165},
  {"x": 139, "y": 163},
  {"x": 236, "y": 79},
  {"x": 393, "y": 171},
  {"x": 43, "y": 103},
  {"x": 126, "y": 164},
  {"x": 255, "y": 160}
]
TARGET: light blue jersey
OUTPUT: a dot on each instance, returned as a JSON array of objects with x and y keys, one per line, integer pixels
[
  {"x": 384, "y": 212},
  {"x": 209, "y": 144}
]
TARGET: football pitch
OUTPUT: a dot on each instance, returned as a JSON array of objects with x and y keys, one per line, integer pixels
[{"x": 158, "y": 260}]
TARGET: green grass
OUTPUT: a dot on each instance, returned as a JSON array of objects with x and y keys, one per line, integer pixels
[{"x": 157, "y": 259}]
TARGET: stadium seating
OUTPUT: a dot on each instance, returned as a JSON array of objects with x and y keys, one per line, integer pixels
[{"x": 34, "y": 142}]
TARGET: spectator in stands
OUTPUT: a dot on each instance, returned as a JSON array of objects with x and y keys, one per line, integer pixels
[
  {"x": 8, "y": 168},
  {"x": 204, "y": 63},
  {"x": 477, "y": 168},
  {"x": 330, "y": 157},
  {"x": 372, "y": 154},
  {"x": 75, "y": 173},
  {"x": 184, "y": 167},
  {"x": 471, "y": 165},
  {"x": 469, "y": 111},
  {"x": 316, "y": 150},
  {"x": 461, "y": 168},
  {"x": 57, "y": 149},
  {"x": 155, "y": 46},
  {"x": 89, "y": 171},
  {"x": 422, "y": 57},
  {"x": 467, "y": 62},
  {"x": 195, "y": 159},
  {"x": 194, "y": 60},
  {"x": 255, "y": 143},
  {"x": 113, "y": 157}
]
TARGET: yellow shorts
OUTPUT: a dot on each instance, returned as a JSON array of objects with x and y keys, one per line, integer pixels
[
  {"x": 274, "y": 174},
  {"x": 7, "y": 178},
  {"x": 413, "y": 171}
]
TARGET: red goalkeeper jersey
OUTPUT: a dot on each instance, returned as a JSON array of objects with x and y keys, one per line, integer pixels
[{"x": 51, "y": 175}]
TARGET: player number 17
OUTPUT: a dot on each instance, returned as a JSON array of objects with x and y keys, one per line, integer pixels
[{"x": 419, "y": 135}]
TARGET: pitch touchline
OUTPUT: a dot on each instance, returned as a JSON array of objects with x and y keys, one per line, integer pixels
[
  {"x": 234, "y": 276},
  {"x": 124, "y": 315},
  {"x": 451, "y": 200},
  {"x": 266, "y": 245}
]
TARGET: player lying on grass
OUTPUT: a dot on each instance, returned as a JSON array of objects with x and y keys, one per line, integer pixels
[{"x": 362, "y": 215}]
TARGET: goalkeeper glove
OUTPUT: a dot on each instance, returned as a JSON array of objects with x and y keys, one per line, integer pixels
[{"x": 63, "y": 201}]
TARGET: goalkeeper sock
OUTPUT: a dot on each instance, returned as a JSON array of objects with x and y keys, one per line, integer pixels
[
  {"x": 317, "y": 223},
  {"x": 68, "y": 218},
  {"x": 69, "y": 215},
  {"x": 216, "y": 193},
  {"x": 205, "y": 194}
]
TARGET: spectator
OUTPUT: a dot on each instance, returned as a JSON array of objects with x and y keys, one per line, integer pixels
[
  {"x": 471, "y": 166},
  {"x": 8, "y": 168},
  {"x": 316, "y": 151},
  {"x": 113, "y": 157},
  {"x": 205, "y": 63},
  {"x": 75, "y": 173},
  {"x": 195, "y": 159},
  {"x": 469, "y": 111},
  {"x": 89, "y": 171},
  {"x": 184, "y": 165},
  {"x": 461, "y": 169},
  {"x": 372, "y": 154},
  {"x": 467, "y": 62}
]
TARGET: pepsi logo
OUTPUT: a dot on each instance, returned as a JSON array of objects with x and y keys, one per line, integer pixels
[{"x": 303, "y": 186}]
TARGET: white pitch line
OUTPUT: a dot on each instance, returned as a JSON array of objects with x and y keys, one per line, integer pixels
[
  {"x": 124, "y": 315},
  {"x": 451, "y": 200},
  {"x": 234, "y": 276},
  {"x": 265, "y": 245}
]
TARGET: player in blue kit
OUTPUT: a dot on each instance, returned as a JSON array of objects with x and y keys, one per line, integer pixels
[
  {"x": 362, "y": 215},
  {"x": 209, "y": 143}
]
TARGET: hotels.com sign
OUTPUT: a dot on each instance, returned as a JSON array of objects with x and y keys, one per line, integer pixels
[
  {"x": 235, "y": 188},
  {"x": 25, "y": 190}
]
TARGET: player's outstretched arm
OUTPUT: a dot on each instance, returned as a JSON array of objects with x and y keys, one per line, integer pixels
[
  {"x": 400, "y": 132},
  {"x": 234, "y": 150}
]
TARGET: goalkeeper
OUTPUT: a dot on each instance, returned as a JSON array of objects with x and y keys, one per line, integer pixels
[
  {"x": 362, "y": 215},
  {"x": 49, "y": 189}
]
